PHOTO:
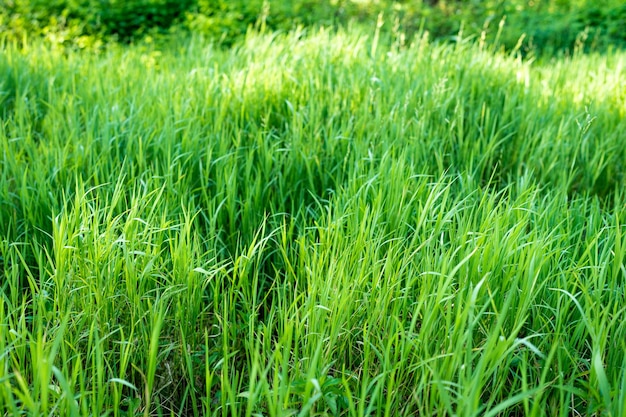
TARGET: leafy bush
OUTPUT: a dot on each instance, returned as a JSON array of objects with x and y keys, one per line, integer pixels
[
  {"x": 229, "y": 20},
  {"x": 122, "y": 19}
]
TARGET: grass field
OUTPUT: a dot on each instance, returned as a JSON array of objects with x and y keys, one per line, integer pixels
[{"x": 312, "y": 224}]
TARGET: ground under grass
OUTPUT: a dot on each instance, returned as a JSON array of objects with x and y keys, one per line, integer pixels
[{"x": 311, "y": 224}]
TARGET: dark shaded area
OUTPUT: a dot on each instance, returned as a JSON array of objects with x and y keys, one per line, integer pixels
[{"x": 128, "y": 18}]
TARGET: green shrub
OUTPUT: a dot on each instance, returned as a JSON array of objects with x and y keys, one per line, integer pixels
[
  {"x": 229, "y": 20},
  {"x": 79, "y": 18}
]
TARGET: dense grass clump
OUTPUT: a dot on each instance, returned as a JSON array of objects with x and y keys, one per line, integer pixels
[{"x": 311, "y": 224}]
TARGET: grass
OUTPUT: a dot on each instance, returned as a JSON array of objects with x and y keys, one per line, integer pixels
[{"x": 311, "y": 224}]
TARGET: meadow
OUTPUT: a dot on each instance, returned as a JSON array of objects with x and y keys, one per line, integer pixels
[{"x": 312, "y": 223}]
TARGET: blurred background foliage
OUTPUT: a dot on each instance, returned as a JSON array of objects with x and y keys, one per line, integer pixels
[{"x": 548, "y": 26}]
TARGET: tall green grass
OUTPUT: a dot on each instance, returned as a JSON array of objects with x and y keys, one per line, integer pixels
[{"x": 311, "y": 224}]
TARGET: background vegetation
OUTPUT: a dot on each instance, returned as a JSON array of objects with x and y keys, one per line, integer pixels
[{"x": 549, "y": 26}]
